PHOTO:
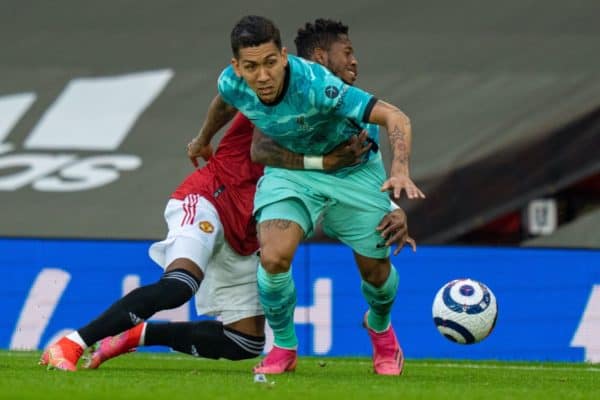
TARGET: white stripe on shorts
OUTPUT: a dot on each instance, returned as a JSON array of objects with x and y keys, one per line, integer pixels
[{"x": 189, "y": 209}]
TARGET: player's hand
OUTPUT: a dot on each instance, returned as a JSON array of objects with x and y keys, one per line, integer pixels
[
  {"x": 196, "y": 149},
  {"x": 347, "y": 153},
  {"x": 399, "y": 182},
  {"x": 394, "y": 230}
]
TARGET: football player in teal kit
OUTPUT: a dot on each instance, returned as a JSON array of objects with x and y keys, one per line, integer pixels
[{"x": 308, "y": 110}]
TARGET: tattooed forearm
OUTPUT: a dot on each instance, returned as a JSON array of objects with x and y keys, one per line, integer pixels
[
  {"x": 399, "y": 146},
  {"x": 267, "y": 152},
  {"x": 399, "y": 132}
]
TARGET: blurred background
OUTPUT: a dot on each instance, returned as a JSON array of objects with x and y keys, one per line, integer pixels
[{"x": 99, "y": 99}]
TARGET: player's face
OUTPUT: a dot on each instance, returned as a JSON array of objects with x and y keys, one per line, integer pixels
[
  {"x": 341, "y": 61},
  {"x": 263, "y": 69}
]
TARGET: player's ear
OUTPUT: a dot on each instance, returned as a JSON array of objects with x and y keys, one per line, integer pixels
[
  {"x": 236, "y": 67},
  {"x": 284, "y": 55},
  {"x": 320, "y": 56}
]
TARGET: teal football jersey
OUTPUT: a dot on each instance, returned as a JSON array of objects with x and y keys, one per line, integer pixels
[{"x": 316, "y": 111}]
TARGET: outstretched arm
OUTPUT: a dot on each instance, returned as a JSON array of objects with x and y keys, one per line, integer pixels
[
  {"x": 266, "y": 151},
  {"x": 219, "y": 113},
  {"x": 399, "y": 131}
]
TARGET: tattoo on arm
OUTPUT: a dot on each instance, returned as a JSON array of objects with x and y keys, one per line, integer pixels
[
  {"x": 398, "y": 128},
  {"x": 266, "y": 151},
  {"x": 398, "y": 142}
]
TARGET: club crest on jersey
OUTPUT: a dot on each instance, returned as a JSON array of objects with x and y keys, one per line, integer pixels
[
  {"x": 332, "y": 92},
  {"x": 206, "y": 226}
]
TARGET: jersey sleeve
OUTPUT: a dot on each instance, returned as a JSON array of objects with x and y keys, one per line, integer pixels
[
  {"x": 344, "y": 100},
  {"x": 227, "y": 84}
]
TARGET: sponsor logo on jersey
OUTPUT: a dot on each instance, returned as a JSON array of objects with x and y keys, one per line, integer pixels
[{"x": 302, "y": 125}]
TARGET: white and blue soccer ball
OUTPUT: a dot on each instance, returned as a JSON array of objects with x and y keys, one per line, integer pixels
[{"x": 465, "y": 311}]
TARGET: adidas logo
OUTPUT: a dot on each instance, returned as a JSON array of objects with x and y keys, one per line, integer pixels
[
  {"x": 91, "y": 115},
  {"x": 135, "y": 319}
]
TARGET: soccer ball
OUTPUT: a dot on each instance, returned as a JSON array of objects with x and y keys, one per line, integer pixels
[{"x": 465, "y": 311}]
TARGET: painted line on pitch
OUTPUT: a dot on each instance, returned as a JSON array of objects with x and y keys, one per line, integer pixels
[
  {"x": 488, "y": 366},
  {"x": 517, "y": 367},
  {"x": 454, "y": 365}
]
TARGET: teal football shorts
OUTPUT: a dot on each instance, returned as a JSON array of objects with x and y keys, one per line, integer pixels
[{"x": 350, "y": 205}]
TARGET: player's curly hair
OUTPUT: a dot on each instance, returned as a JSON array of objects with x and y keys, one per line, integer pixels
[
  {"x": 320, "y": 34},
  {"x": 253, "y": 30}
]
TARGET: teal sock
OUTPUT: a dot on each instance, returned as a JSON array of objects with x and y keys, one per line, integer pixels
[
  {"x": 380, "y": 301},
  {"x": 277, "y": 295}
]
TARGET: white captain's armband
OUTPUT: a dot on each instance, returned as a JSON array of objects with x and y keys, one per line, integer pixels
[{"x": 313, "y": 162}]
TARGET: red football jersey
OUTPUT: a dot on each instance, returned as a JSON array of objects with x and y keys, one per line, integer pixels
[{"x": 228, "y": 181}]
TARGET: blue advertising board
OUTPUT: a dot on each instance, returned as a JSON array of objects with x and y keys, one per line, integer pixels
[{"x": 548, "y": 300}]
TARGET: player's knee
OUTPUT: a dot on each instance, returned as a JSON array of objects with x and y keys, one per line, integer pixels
[
  {"x": 275, "y": 262},
  {"x": 377, "y": 274},
  {"x": 187, "y": 265},
  {"x": 244, "y": 347},
  {"x": 238, "y": 353}
]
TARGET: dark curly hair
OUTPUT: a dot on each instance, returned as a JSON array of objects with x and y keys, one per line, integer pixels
[
  {"x": 253, "y": 30},
  {"x": 320, "y": 34}
]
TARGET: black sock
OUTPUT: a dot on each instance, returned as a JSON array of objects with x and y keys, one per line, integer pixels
[
  {"x": 172, "y": 290},
  {"x": 208, "y": 339}
]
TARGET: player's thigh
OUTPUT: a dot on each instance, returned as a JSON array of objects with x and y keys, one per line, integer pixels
[
  {"x": 195, "y": 231},
  {"x": 355, "y": 227},
  {"x": 229, "y": 289},
  {"x": 254, "y": 326},
  {"x": 361, "y": 186},
  {"x": 357, "y": 207},
  {"x": 186, "y": 264},
  {"x": 279, "y": 234},
  {"x": 289, "y": 195}
]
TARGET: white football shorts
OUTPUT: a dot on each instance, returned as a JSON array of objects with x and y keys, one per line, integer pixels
[{"x": 229, "y": 289}]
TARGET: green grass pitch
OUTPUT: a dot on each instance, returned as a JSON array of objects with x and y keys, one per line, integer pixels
[{"x": 174, "y": 377}]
